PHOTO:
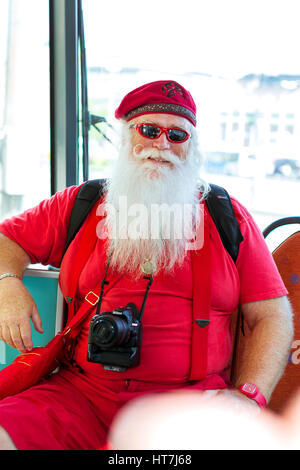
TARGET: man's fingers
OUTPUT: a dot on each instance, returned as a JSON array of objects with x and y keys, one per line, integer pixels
[
  {"x": 36, "y": 320},
  {"x": 17, "y": 334},
  {"x": 6, "y": 336},
  {"x": 16, "y": 338},
  {"x": 25, "y": 331}
]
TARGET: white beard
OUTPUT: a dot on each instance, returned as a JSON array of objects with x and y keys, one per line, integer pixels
[{"x": 138, "y": 188}]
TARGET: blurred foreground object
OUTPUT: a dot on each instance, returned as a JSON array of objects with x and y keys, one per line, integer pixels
[{"x": 193, "y": 421}]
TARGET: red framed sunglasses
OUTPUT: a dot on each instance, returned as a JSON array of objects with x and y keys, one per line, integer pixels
[{"x": 153, "y": 131}]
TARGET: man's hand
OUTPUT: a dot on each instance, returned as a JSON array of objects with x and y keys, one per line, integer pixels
[{"x": 17, "y": 307}]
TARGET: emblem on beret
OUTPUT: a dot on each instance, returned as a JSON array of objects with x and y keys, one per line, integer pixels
[{"x": 172, "y": 88}]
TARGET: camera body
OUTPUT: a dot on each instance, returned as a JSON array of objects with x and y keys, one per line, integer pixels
[{"x": 115, "y": 338}]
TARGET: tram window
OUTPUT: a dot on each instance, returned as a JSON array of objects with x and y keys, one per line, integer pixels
[
  {"x": 24, "y": 105},
  {"x": 240, "y": 62}
]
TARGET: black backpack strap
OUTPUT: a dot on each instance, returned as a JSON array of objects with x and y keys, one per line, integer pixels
[
  {"x": 218, "y": 202},
  {"x": 221, "y": 210},
  {"x": 87, "y": 196}
]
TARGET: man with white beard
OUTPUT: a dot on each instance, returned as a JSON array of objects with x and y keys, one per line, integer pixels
[
  {"x": 161, "y": 276},
  {"x": 159, "y": 180}
]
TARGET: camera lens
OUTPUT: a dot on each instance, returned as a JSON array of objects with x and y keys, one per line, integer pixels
[
  {"x": 105, "y": 331},
  {"x": 110, "y": 331}
]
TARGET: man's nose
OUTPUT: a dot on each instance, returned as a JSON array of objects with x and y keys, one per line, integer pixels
[{"x": 161, "y": 142}]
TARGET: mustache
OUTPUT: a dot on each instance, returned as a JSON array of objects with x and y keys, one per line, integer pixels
[{"x": 155, "y": 154}]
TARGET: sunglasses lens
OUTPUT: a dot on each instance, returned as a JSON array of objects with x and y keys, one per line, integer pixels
[
  {"x": 149, "y": 131},
  {"x": 152, "y": 132},
  {"x": 177, "y": 135}
]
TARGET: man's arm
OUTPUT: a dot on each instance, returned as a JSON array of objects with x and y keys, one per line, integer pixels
[
  {"x": 271, "y": 325},
  {"x": 16, "y": 304},
  {"x": 13, "y": 259}
]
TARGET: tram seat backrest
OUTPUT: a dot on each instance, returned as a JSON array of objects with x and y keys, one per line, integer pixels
[{"x": 287, "y": 259}]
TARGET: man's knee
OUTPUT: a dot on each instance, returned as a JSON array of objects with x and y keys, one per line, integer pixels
[{"x": 6, "y": 442}]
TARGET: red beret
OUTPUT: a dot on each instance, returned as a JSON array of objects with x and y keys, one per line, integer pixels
[{"x": 162, "y": 96}]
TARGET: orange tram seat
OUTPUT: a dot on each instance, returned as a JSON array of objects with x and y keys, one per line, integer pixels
[{"x": 287, "y": 259}]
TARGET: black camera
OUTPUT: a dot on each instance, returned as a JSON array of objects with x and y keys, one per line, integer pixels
[{"x": 115, "y": 338}]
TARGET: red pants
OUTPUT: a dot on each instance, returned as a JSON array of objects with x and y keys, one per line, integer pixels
[{"x": 65, "y": 412}]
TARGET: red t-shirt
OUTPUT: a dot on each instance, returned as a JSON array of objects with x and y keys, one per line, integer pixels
[{"x": 167, "y": 321}]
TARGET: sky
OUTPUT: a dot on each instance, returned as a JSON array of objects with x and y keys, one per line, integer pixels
[{"x": 220, "y": 37}]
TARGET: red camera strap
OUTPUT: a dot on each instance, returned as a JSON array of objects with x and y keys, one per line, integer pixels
[{"x": 71, "y": 267}]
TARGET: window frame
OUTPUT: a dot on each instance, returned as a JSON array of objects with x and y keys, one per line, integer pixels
[{"x": 64, "y": 96}]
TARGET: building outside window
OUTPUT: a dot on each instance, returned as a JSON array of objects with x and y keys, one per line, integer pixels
[
  {"x": 24, "y": 105},
  {"x": 243, "y": 75}
]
